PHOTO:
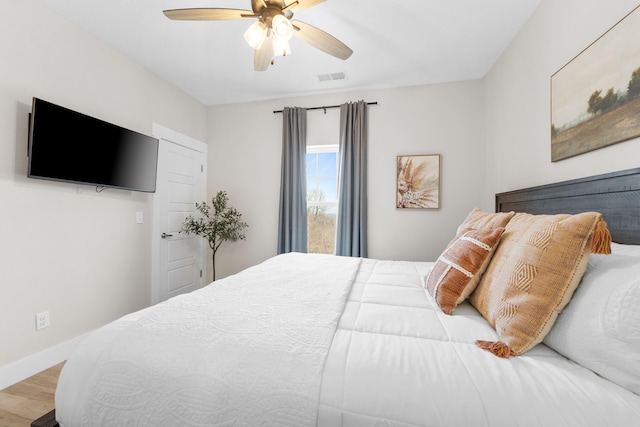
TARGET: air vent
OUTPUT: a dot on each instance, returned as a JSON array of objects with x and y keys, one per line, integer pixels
[{"x": 332, "y": 76}]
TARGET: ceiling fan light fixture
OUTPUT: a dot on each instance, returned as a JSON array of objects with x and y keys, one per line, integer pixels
[
  {"x": 255, "y": 34},
  {"x": 269, "y": 36},
  {"x": 282, "y": 27},
  {"x": 281, "y": 47}
]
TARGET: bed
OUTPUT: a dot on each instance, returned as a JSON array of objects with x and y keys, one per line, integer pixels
[{"x": 318, "y": 340}]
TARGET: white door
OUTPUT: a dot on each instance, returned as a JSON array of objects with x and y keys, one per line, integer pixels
[{"x": 179, "y": 262}]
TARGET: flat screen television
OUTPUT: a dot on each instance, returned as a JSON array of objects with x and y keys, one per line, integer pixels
[{"x": 68, "y": 146}]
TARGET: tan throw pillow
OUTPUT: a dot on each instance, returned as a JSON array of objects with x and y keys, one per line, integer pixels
[
  {"x": 479, "y": 220},
  {"x": 533, "y": 275},
  {"x": 457, "y": 271}
]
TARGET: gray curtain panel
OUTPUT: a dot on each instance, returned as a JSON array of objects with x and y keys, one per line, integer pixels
[
  {"x": 292, "y": 229},
  {"x": 351, "y": 228}
]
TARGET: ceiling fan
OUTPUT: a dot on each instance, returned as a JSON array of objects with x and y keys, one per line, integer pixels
[{"x": 270, "y": 34}]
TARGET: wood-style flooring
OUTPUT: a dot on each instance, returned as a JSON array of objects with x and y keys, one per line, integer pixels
[{"x": 28, "y": 400}]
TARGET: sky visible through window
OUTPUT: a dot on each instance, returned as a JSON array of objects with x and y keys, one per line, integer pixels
[
  {"x": 322, "y": 198},
  {"x": 322, "y": 183}
]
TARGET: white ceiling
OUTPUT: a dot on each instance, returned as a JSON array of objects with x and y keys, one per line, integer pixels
[{"x": 395, "y": 43}]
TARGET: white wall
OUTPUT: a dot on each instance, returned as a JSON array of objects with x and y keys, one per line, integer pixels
[
  {"x": 63, "y": 247},
  {"x": 517, "y": 98},
  {"x": 244, "y": 159},
  {"x": 493, "y": 135}
]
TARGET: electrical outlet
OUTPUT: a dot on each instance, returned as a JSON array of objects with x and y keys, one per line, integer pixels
[{"x": 42, "y": 320}]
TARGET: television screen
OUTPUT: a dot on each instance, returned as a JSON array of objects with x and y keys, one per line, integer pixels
[{"x": 65, "y": 145}]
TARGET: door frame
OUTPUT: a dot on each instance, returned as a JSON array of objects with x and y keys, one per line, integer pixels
[{"x": 169, "y": 136}]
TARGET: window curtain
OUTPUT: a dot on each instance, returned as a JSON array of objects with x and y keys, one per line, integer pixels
[
  {"x": 351, "y": 228},
  {"x": 292, "y": 228}
]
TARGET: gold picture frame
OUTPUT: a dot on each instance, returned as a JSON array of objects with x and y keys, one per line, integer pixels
[
  {"x": 418, "y": 181},
  {"x": 595, "y": 98}
]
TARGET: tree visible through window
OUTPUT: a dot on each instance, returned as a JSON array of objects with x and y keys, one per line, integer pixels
[{"x": 322, "y": 198}]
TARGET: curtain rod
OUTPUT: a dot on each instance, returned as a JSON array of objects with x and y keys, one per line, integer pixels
[{"x": 324, "y": 107}]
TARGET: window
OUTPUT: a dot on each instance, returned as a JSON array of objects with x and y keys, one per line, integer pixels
[{"x": 322, "y": 198}]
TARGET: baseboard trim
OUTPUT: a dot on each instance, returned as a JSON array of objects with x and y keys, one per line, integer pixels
[{"x": 31, "y": 365}]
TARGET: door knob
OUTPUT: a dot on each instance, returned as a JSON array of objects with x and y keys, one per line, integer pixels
[{"x": 165, "y": 235}]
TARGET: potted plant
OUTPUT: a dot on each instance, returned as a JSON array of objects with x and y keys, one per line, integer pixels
[{"x": 217, "y": 223}]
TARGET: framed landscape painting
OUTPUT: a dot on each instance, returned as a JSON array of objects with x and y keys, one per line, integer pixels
[
  {"x": 595, "y": 98},
  {"x": 418, "y": 182}
]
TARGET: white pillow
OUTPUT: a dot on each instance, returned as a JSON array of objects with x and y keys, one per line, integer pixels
[{"x": 600, "y": 328}]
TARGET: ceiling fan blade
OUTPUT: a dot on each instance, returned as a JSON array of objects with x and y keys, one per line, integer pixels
[
  {"x": 207, "y": 14},
  {"x": 262, "y": 57},
  {"x": 299, "y": 5},
  {"x": 321, "y": 40}
]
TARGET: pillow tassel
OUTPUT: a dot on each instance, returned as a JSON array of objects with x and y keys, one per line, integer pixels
[
  {"x": 498, "y": 348},
  {"x": 601, "y": 239}
]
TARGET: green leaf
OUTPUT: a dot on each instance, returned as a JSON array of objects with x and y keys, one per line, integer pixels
[{"x": 222, "y": 224}]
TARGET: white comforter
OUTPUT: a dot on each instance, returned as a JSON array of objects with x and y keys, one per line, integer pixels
[
  {"x": 221, "y": 356},
  {"x": 246, "y": 351}
]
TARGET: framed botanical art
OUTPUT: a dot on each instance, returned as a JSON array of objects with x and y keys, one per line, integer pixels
[
  {"x": 595, "y": 98},
  {"x": 418, "y": 182}
]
